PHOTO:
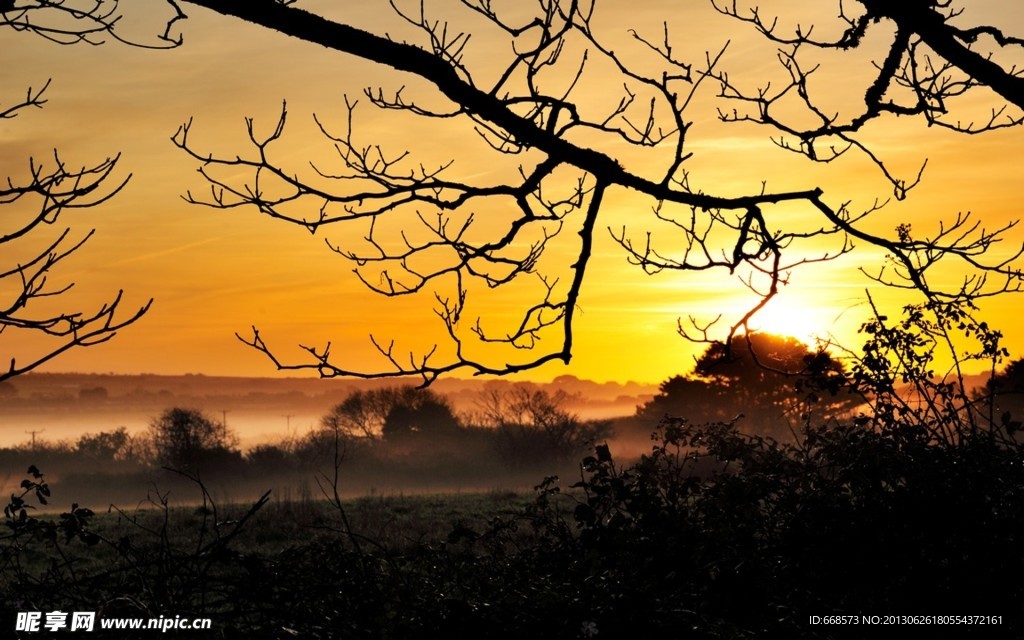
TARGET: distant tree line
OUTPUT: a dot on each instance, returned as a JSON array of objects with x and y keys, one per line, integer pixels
[
  {"x": 764, "y": 384},
  {"x": 523, "y": 428}
]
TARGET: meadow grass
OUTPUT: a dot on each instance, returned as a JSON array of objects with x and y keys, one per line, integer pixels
[{"x": 395, "y": 523}]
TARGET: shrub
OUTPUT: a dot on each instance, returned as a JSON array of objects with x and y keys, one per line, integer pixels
[{"x": 188, "y": 439}]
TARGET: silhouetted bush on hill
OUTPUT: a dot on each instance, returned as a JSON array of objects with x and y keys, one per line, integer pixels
[
  {"x": 187, "y": 439},
  {"x": 775, "y": 383}
]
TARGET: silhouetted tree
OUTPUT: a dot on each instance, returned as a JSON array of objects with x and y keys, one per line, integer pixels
[
  {"x": 366, "y": 420},
  {"x": 93, "y": 394},
  {"x": 362, "y": 414},
  {"x": 187, "y": 439},
  {"x": 1004, "y": 393},
  {"x": 269, "y": 458},
  {"x": 109, "y": 445},
  {"x": 776, "y": 383},
  {"x": 421, "y": 414},
  {"x": 532, "y": 427},
  {"x": 1008, "y": 381}
]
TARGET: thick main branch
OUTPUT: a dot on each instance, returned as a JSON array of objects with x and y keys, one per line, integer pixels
[{"x": 411, "y": 59}]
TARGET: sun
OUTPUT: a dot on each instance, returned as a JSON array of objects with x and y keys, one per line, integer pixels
[{"x": 795, "y": 318}]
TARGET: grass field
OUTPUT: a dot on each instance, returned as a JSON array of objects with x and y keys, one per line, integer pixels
[
  {"x": 394, "y": 523},
  {"x": 293, "y": 567}
]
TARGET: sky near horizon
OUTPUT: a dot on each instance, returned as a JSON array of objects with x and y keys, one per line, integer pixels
[{"x": 214, "y": 272}]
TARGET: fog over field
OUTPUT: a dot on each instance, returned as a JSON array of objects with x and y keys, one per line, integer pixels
[{"x": 64, "y": 406}]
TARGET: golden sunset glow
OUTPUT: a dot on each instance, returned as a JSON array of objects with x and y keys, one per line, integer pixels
[
  {"x": 525, "y": 318},
  {"x": 802, "y": 321},
  {"x": 213, "y": 273}
]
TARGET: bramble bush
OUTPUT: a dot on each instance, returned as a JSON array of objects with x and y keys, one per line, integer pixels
[{"x": 914, "y": 503}]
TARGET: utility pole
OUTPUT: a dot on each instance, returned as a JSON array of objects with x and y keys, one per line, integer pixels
[
  {"x": 224, "y": 417},
  {"x": 34, "y": 438}
]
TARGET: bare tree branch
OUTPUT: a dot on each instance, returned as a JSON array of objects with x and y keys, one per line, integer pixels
[
  {"x": 531, "y": 110},
  {"x": 426, "y": 227},
  {"x": 30, "y": 204},
  {"x": 928, "y": 66},
  {"x": 83, "y": 21}
]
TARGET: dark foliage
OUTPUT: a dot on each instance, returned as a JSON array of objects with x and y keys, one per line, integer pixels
[{"x": 852, "y": 521}]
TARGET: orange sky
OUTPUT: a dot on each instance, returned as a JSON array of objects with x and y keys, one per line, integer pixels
[{"x": 213, "y": 273}]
